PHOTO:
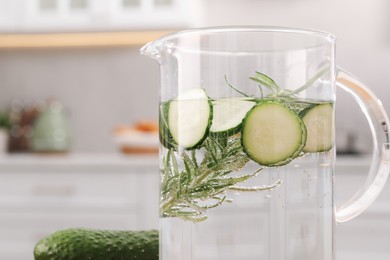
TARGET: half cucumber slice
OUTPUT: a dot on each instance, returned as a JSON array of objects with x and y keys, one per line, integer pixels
[
  {"x": 318, "y": 120},
  {"x": 228, "y": 115},
  {"x": 272, "y": 134},
  {"x": 189, "y": 118}
]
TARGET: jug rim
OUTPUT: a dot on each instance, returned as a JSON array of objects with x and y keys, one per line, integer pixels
[
  {"x": 151, "y": 48},
  {"x": 248, "y": 28}
]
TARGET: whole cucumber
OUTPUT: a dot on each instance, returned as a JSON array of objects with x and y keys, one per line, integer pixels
[{"x": 83, "y": 244}]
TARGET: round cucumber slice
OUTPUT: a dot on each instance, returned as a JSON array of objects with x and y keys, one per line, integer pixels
[
  {"x": 189, "y": 118},
  {"x": 272, "y": 134},
  {"x": 228, "y": 115},
  {"x": 318, "y": 120}
]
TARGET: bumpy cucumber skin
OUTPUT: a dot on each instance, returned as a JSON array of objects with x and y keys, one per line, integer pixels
[
  {"x": 293, "y": 155},
  {"x": 88, "y": 244},
  {"x": 206, "y": 133}
]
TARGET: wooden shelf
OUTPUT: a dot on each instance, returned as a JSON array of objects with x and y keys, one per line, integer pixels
[{"x": 91, "y": 39}]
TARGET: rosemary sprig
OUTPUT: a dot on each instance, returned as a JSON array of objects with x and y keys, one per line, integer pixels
[
  {"x": 276, "y": 92},
  {"x": 309, "y": 82},
  {"x": 264, "y": 80},
  {"x": 234, "y": 88},
  {"x": 267, "y": 82},
  {"x": 193, "y": 189}
]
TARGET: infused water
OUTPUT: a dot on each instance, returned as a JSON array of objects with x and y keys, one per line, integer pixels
[{"x": 255, "y": 183}]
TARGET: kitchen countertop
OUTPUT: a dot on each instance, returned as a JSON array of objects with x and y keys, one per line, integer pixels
[
  {"x": 77, "y": 159},
  {"x": 120, "y": 159},
  {"x": 90, "y": 162}
]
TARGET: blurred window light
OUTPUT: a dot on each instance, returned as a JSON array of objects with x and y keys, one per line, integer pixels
[
  {"x": 131, "y": 3},
  {"x": 78, "y": 4},
  {"x": 48, "y": 5}
]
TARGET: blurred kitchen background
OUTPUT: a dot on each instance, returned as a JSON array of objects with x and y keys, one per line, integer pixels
[
  {"x": 79, "y": 104},
  {"x": 106, "y": 86}
]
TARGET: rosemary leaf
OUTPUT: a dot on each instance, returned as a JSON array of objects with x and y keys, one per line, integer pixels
[
  {"x": 235, "y": 89},
  {"x": 265, "y": 81}
]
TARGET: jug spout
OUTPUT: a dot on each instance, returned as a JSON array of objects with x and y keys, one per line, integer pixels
[
  {"x": 161, "y": 47},
  {"x": 151, "y": 50}
]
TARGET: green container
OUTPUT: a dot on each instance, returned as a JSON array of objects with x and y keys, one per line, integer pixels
[{"x": 51, "y": 130}]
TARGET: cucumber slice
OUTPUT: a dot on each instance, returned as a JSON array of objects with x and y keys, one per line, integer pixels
[
  {"x": 272, "y": 134},
  {"x": 228, "y": 115},
  {"x": 189, "y": 118},
  {"x": 318, "y": 120}
]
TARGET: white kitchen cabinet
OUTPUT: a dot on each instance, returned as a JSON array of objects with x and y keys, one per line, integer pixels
[{"x": 40, "y": 195}]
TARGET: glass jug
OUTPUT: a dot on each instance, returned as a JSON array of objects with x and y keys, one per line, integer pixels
[{"x": 247, "y": 144}]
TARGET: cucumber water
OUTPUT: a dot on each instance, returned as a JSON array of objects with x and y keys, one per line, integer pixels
[{"x": 226, "y": 178}]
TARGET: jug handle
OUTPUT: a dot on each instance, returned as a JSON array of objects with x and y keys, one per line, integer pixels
[{"x": 380, "y": 164}]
